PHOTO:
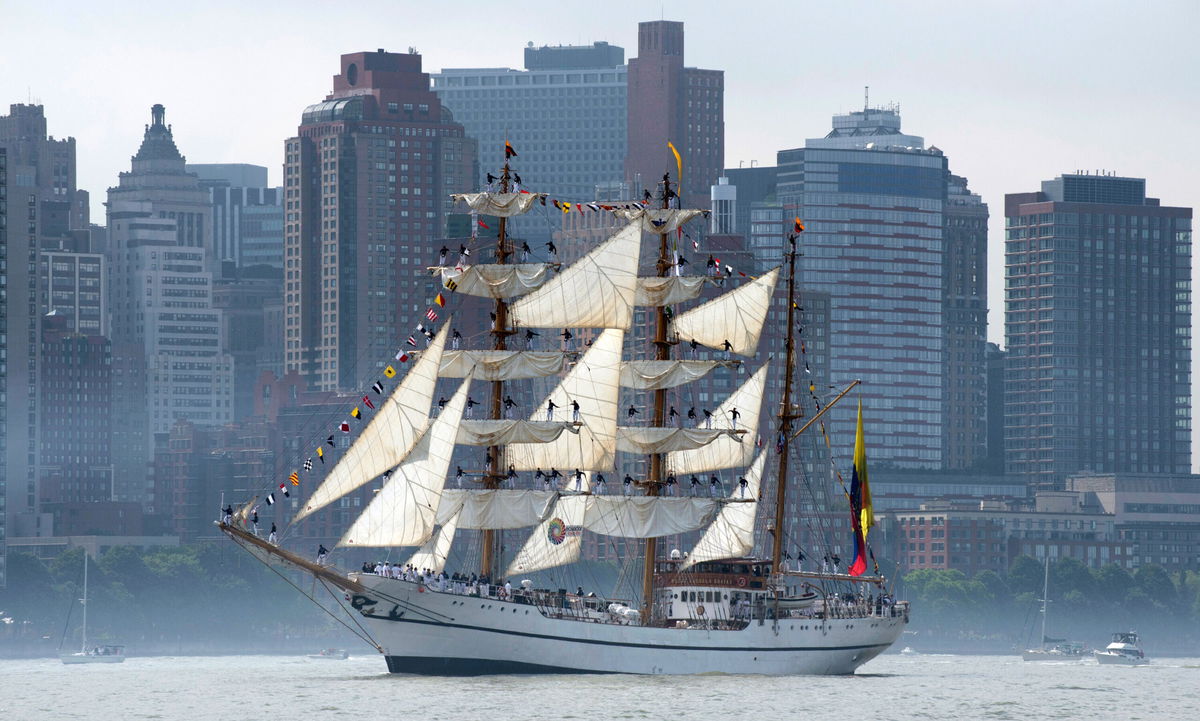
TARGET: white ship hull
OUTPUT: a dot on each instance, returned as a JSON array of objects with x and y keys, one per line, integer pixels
[
  {"x": 74, "y": 658},
  {"x": 1117, "y": 659},
  {"x": 432, "y": 633}
]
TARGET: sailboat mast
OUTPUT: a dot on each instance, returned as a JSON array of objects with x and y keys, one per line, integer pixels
[
  {"x": 500, "y": 332},
  {"x": 786, "y": 414},
  {"x": 662, "y": 351},
  {"x": 1045, "y": 599},
  {"x": 83, "y": 648}
]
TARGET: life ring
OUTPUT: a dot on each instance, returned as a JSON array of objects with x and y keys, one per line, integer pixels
[
  {"x": 420, "y": 589},
  {"x": 741, "y": 582},
  {"x": 699, "y": 610}
]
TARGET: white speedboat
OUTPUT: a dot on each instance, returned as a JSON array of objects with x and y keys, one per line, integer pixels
[
  {"x": 1123, "y": 651},
  {"x": 331, "y": 654}
]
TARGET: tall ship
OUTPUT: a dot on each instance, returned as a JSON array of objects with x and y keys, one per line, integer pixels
[{"x": 713, "y": 607}]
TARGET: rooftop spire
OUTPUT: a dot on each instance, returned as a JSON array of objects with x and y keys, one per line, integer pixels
[{"x": 158, "y": 143}]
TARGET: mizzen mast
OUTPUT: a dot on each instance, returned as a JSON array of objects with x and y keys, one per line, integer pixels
[{"x": 787, "y": 413}]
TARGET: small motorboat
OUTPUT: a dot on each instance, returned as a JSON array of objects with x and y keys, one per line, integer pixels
[
  {"x": 331, "y": 654},
  {"x": 1123, "y": 651}
]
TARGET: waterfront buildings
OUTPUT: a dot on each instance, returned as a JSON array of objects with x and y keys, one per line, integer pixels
[
  {"x": 367, "y": 183},
  {"x": 5, "y": 323},
  {"x": 1097, "y": 330},
  {"x": 247, "y": 214},
  {"x": 669, "y": 102}
]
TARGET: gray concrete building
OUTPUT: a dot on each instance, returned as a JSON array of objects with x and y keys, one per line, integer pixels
[{"x": 247, "y": 214}]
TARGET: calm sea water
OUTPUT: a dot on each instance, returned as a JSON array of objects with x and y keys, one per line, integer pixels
[{"x": 274, "y": 688}]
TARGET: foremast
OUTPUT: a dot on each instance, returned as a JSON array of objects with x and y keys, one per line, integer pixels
[
  {"x": 493, "y": 473},
  {"x": 662, "y": 352},
  {"x": 787, "y": 413}
]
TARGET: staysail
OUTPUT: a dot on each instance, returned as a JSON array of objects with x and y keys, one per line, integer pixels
[
  {"x": 731, "y": 535},
  {"x": 390, "y": 434},
  {"x": 593, "y": 384},
  {"x": 500, "y": 365},
  {"x": 495, "y": 281},
  {"x": 597, "y": 291},
  {"x": 727, "y": 452},
  {"x": 556, "y": 541},
  {"x": 433, "y": 554},
  {"x": 404, "y": 510},
  {"x": 736, "y": 317}
]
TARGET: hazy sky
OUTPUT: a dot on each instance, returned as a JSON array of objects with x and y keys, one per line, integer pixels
[{"x": 1014, "y": 92}]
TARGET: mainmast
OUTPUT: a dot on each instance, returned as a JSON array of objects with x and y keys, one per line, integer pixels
[
  {"x": 494, "y": 473},
  {"x": 662, "y": 351},
  {"x": 786, "y": 413}
]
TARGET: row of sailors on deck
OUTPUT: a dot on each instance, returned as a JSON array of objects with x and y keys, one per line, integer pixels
[{"x": 459, "y": 583}]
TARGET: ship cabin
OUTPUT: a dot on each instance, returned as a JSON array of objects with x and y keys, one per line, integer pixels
[{"x": 715, "y": 594}]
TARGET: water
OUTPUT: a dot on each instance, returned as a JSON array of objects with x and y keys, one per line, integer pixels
[{"x": 892, "y": 687}]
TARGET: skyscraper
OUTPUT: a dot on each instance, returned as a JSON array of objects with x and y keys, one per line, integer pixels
[
  {"x": 247, "y": 215},
  {"x": 873, "y": 200},
  {"x": 1097, "y": 330},
  {"x": 367, "y": 183},
  {"x": 5, "y": 325},
  {"x": 672, "y": 103}
]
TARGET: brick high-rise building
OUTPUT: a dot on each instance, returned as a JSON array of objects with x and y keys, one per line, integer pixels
[
  {"x": 672, "y": 103},
  {"x": 1097, "y": 330},
  {"x": 367, "y": 183}
]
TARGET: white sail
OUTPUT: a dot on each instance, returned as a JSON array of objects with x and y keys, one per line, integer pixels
[
  {"x": 500, "y": 205},
  {"x": 658, "y": 220},
  {"x": 556, "y": 541},
  {"x": 647, "y": 516},
  {"x": 669, "y": 290},
  {"x": 636, "y": 439},
  {"x": 652, "y": 375},
  {"x": 731, "y": 535},
  {"x": 390, "y": 434},
  {"x": 433, "y": 554},
  {"x": 594, "y": 384},
  {"x": 597, "y": 291},
  {"x": 736, "y": 316},
  {"x": 726, "y": 452},
  {"x": 501, "y": 365},
  {"x": 502, "y": 432},
  {"x": 494, "y": 280},
  {"x": 403, "y": 512},
  {"x": 497, "y": 509}
]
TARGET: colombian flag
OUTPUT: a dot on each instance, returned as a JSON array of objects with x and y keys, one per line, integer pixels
[{"x": 862, "y": 515}]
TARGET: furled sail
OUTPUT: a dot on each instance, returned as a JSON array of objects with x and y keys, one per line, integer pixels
[
  {"x": 647, "y": 516},
  {"x": 556, "y": 541},
  {"x": 727, "y": 452},
  {"x": 669, "y": 290},
  {"x": 391, "y": 433},
  {"x": 594, "y": 384},
  {"x": 732, "y": 533},
  {"x": 658, "y": 220},
  {"x": 597, "y": 291},
  {"x": 433, "y": 554},
  {"x": 494, "y": 280},
  {"x": 504, "y": 432},
  {"x": 403, "y": 512},
  {"x": 736, "y": 316},
  {"x": 500, "y": 365},
  {"x": 652, "y": 375},
  {"x": 635, "y": 439},
  {"x": 500, "y": 205},
  {"x": 498, "y": 508}
]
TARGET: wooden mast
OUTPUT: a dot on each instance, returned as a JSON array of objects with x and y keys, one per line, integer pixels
[
  {"x": 786, "y": 414},
  {"x": 494, "y": 473},
  {"x": 662, "y": 351}
]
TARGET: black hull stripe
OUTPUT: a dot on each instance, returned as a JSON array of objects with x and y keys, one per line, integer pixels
[
  {"x": 435, "y": 666},
  {"x": 624, "y": 644}
]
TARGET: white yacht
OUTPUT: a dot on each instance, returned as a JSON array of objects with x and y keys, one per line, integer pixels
[{"x": 1123, "y": 651}]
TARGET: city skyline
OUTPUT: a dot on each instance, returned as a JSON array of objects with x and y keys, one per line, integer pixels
[{"x": 988, "y": 108}]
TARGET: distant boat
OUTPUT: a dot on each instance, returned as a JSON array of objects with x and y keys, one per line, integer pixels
[
  {"x": 1063, "y": 650},
  {"x": 1123, "y": 651},
  {"x": 331, "y": 654},
  {"x": 106, "y": 653}
]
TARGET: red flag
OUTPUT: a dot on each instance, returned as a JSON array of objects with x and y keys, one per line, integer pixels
[
  {"x": 431, "y": 314},
  {"x": 367, "y": 402},
  {"x": 440, "y": 299},
  {"x": 345, "y": 427},
  {"x": 798, "y": 226},
  {"x": 508, "y": 150}
]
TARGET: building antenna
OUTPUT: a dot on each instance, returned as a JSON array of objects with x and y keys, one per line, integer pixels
[{"x": 866, "y": 98}]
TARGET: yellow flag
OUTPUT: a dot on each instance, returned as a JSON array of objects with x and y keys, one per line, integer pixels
[
  {"x": 390, "y": 372},
  {"x": 678, "y": 161},
  {"x": 867, "y": 515}
]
